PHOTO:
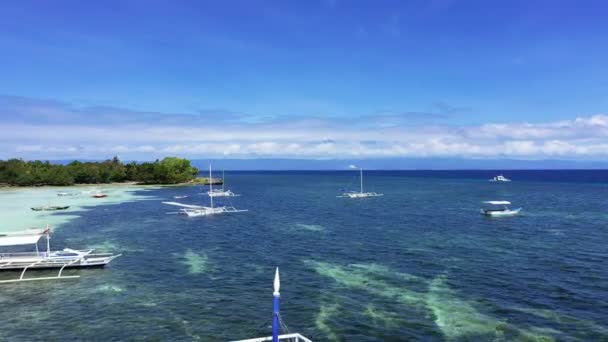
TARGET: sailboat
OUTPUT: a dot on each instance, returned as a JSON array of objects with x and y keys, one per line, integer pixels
[
  {"x": 197, "y": 210},
  {"x": 360, "y": 193},
  {"x": 221, "y": 192}
]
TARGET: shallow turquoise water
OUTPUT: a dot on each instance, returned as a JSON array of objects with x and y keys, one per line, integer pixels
[{"x": 419, "y": 263}]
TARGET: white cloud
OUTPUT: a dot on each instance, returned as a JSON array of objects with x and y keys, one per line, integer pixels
[{"x": 60, "y": 131}]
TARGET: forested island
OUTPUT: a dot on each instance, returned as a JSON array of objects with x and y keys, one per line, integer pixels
[{"x": 170, "y": 170}]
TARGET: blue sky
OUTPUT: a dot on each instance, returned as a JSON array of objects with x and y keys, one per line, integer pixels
[{"x": 304, "y": 79}]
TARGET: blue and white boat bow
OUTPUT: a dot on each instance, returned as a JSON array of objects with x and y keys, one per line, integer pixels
[{"x": 277, "y": 323}]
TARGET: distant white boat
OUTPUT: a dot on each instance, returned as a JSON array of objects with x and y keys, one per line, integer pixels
[
  {"x": 221, "y": 192},
  {"x": 197, "y": 210},
  {"x": 500, "y": 178},
  {"x": 182, "y": 196},
  {"x": 63, "y": 194},
  {"x": 360, "y": 193},
  {"x": 499, "y": 209}
]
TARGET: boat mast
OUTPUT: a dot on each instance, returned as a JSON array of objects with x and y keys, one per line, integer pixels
[
  {"x": 276, "y": 304},
  {"x": 361, "y": 170},
  {"x": 210, "y": 186},
  {"x": 48, "y": 240}
]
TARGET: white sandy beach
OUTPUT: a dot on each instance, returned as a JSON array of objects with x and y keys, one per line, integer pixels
[{"x": 16, "y": 203}]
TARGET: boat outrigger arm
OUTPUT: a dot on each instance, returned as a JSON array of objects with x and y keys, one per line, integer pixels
[
  {"x": 45, "y": 260},
  {"x": 197, "y": 210}
]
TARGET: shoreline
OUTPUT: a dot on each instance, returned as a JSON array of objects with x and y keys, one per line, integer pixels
[
  {"x": 92, "y": 185},
  {"x": 197, "y": 181}
]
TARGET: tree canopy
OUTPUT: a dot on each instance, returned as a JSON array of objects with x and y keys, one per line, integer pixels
[{"x": 170, "y": 170}]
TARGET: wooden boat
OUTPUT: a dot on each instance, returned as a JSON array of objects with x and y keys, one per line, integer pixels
[
  {"x": 50, "y": 208},
  {"x": 66, "y": 258}
]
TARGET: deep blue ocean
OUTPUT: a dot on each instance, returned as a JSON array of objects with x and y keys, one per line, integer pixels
[{"x": 417, "y": 264}]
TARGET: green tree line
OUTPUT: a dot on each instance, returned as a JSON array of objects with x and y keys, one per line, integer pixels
[{"x": 170, "y": 170}]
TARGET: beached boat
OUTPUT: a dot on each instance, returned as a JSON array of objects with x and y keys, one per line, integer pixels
[
  {"x": 64, "y": 194},
  {"x": 50, "y": 207},
  {"x": 197, "y": 210},
  {"x": 360, "y": 193},
  {"x": 66, "y": 258},
  {"x": 277, "y": 322},
  {"x": 500, "y": 178},
  {"x": 499, "y": 208},
  {"x": 221, "y": 192}
]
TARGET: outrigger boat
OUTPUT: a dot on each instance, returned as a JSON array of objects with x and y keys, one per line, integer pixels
[
  {"x": 496, "y": 211},
  {"x": 277, "y": 322},
  {"x": 360, "y": 193},
  {"x": 197, "y": 210},
  {"x": 50, "y": 207},
  {"x": 500, "y": 178},
  {"x": 45, "y": 260},
  {"x": 220, "y": 192}
]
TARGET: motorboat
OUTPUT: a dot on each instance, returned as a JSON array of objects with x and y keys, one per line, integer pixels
[
  {"x": 500, "y": 178},
  {"x": 99, "y": 195},
  {"x": 66, "y": 258},
  {"x": 499, "y": 208}
]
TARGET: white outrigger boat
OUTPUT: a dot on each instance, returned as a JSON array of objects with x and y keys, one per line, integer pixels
[
  {"x": 500, "y": 178},
  {"x": 220, "y": 192},
  {"x": 496, "y": 211},
  {"x": 197, "y": 210},
  {"x": 70, "y": 258},
  {"x": 360, "y": 193},
  {"x": 277, "y": 322}
]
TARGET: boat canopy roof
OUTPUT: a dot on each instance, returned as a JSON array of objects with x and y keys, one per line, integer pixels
[
  {"x": 21, "y": 238},
  {"x": 498, "y": 202}
]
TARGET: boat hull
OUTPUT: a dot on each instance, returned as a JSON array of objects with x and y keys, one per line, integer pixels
[
  {"x": 500, "y": 213},
  {"x": 43, "y": 262},
  {"x": 361, "y": 194},
  {"x": 51, "y": 208}
]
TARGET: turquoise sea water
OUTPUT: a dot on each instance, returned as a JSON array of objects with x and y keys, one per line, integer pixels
[{"x": 419, "y": 263}]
